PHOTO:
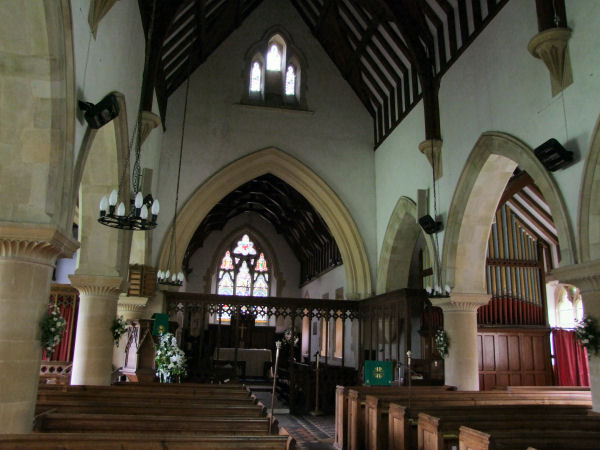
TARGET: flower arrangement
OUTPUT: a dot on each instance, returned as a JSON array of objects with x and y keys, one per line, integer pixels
[
  {"x": 588, "y": 334},
  {"x": 442, "y": 342},
  {"x": 119, "y": 326},
  {"x": 53, "y": 326},
  {"x": 170, "y": 359}
]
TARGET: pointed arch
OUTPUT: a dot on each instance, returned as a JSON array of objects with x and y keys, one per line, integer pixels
[
  {"x": 589, "y": 204},
  {"x": 103, "y": 151},
  {"x": 481, "y": 184},
  {"x": 306, "y": 182},
  {"x": 398, "y": 244}
]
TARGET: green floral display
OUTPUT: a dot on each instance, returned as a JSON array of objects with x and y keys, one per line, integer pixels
[
  {"x": 53, "y": 326},
  {"x": 170, "y": 359},
  {"x": 442, "y": 343},
  {"x": 588, "y": 334},
  {"x": 119, "y": 326}
]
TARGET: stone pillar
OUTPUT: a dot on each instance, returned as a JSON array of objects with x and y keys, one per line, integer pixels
[
  {"x": 586, "y": 276},
  {"x": 27, "y": 257},
  {"x": 92, "y": 359},
  {"x": 461, "y": 367}
]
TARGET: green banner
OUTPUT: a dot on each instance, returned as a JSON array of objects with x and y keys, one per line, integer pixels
[
  {"x": 161, "y": 324},
  {"x": 379, "y": 373}
]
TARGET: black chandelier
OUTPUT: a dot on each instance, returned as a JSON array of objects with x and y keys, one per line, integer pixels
[{"x": 142, "y": 212}]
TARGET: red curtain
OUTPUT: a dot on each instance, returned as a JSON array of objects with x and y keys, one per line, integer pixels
[
  {"x": 63, "y": 351},
  {"x": 571, "y": 365}
]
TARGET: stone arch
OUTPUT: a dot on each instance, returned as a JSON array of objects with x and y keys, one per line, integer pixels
[
  {"x": 398, "y": 244},
  {"x": 102, "y": 165},
  {"x": 262, "y": 242},
  {"x": 481, "y": 184},
  {"x": 306, "y": 182},
  {"x": 589, "y": 204}
]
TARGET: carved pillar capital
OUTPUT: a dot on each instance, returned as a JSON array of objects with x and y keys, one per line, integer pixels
[
  {"x": 461, "y": 302},
  {"x": 97, "y": 286},
  {"x": 586, "y": 276},
  {"x": 35, "y": 243},
  {"x": 551, "y": 47},
  {"x": 131, "y": 304},
  {"x": 149, "y": 122},
  {"x": 432, "y": 149}
]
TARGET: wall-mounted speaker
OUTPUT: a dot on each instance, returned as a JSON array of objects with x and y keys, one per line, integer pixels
[
  {"x": 553, "y": 155},
  {"x": 429, "y": 225},
  {"x": 101, "y": 113}
]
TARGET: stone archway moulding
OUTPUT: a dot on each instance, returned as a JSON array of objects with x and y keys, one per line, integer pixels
[
  {"x": 397, "y": 248},
  {"x": 263, "y": 243},
  {"x": 480, "y": 186},
  {"x": 306, "y": 182},
  {"x": 589, "y": 205}
]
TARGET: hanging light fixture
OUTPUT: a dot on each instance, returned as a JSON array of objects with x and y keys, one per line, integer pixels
[
  {"x": 168, "y": 277},
  {"x": 143, "y": 211}
]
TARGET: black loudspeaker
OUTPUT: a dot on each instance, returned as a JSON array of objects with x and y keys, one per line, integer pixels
[
  {"x": 101, "y": 113},
  {"x": 553, "y": 155},
  {"x": 429, "y": 225}
]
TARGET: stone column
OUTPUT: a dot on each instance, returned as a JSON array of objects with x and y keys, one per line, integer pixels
[
  {"x": 92, "y": 359},
  {"x": 461, "y": 367},
  {"x": 586, "y": 276},
  {"x": 27, "y": 257}
]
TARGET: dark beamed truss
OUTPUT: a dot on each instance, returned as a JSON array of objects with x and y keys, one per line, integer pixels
[{"x": 393, "y": 53}]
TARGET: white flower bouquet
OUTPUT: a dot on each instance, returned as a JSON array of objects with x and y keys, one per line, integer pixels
[
  {"x": 442, "y": 343},
  {"x": 170, "y": 359},
  {"x": 119, "y": 326},
  {"x": 52, "y": 326}
]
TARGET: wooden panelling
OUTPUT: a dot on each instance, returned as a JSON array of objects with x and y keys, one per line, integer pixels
[{"x": 514, "y": 357}]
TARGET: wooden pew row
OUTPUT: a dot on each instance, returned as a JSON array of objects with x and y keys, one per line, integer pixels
[
  {"x": 93, "y": 391},
  {"x": 350, "y": 405},
  {"x": 152, "y": 424},
  {"x": 439, "y": 433},
  {"x": 95, "y": 441},
  {"x": 109, "y": 406},
  {"x": 378, "y": 420},
  {"x": 154, "y": 387},
  {"x": 140, "y": 396},
  {"x": 402, "y": 427},
  {"x": 471, "y": 439}
]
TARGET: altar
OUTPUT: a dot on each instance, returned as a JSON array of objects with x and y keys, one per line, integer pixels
[{"x": 254, "y": 358}]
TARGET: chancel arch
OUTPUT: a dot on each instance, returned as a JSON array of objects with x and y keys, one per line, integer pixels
[
  {"x": 302, "y": 179},
  {"x": 398, "y": 246}
]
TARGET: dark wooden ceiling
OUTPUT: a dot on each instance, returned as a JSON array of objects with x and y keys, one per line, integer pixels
[
  {"x": 392, "y": 52},
  {"x": 287, "y": 210}
]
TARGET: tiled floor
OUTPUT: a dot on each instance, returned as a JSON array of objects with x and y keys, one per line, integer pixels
[{"x": 310, "y": 432}]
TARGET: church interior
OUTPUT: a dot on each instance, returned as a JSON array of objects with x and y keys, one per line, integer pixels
[{"x": 382, "y": 212}]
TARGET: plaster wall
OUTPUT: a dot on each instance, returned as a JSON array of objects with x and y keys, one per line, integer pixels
[
  {"x": 113, "y": 61},
  {"x": 334, "y": 138},
  {"x": 203, "y": 261},
  {"x": 497, "y": 85},
  {"x": 325, "y": 284}
]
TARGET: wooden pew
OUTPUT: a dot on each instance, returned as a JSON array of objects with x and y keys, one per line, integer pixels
[
  {"x": 438, "y": 433},
  {"x": 95, "y": 441},
  {"x": 350, "y": 407},
  {"x": 471, "y": 439},
  {"x": 152, "y": 424},
  {"x": 402, "y": 434}
]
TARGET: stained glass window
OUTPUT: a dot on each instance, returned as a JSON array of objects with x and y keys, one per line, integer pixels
[
  {"x": 243, "y": 281},
  {"x": 255, "y": 77},
  {"x": 245, "y": 246},
  {"x": 290, "y": 81},
  {"x": 274, "y": 58},
  {"x": 243, "y": 273},
  {"x": 261, "y": 288},
  {"x": 261, "y": 264}
]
